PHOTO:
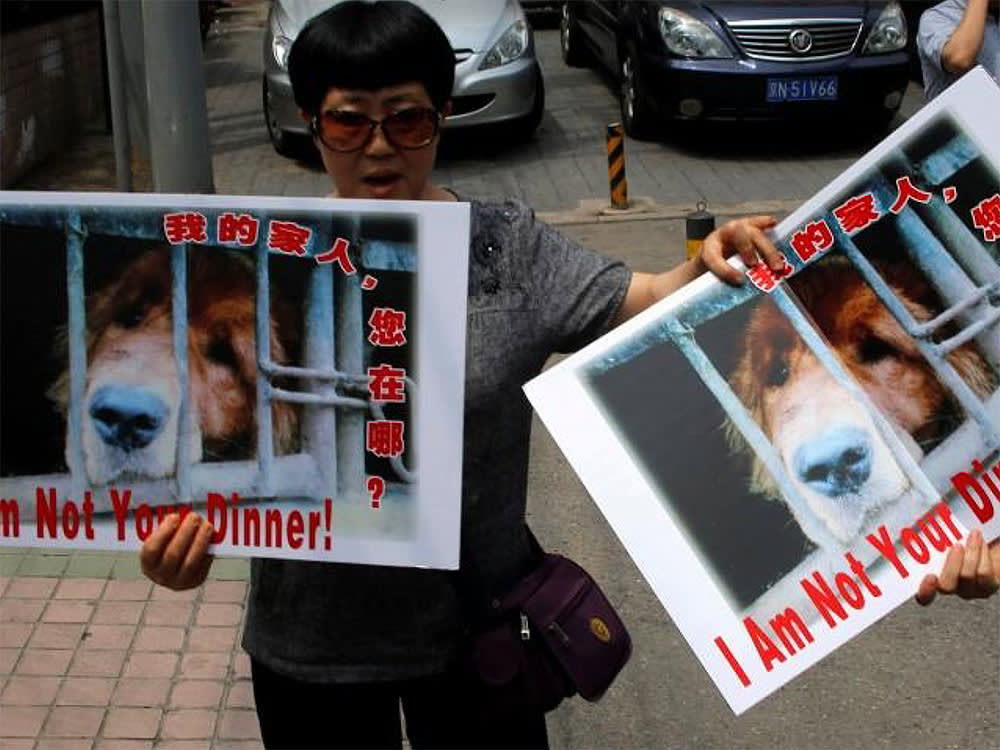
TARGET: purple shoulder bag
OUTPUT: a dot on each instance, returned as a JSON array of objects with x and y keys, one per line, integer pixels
[{"x": 555, "y": 634}]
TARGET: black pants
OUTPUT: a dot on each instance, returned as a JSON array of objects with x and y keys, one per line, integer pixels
[{"x": 444, "y": 711}]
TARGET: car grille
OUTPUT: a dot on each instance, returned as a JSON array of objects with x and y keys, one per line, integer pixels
[{"x": 772, "y": 40}]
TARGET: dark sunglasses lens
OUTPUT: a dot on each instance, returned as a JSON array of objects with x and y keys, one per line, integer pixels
[
  {"x": 411, "y": 128},
  {"x": 344, "y": 130}
]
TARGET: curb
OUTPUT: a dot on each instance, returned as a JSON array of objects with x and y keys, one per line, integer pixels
[{"x": 598, "y": 211}]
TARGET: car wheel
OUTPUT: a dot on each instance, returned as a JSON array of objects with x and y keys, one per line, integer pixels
[
  {"x": 637, "y": 118},
  {"x": 284, "y": 143},
  {"x": 527, "y": 125},
  {"x": 573, "y": 52}
]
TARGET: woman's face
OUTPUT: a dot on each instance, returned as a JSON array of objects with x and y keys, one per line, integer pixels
[{"x": 379, "y": 169}]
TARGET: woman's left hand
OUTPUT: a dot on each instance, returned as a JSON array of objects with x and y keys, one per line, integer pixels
[
  {"x": 744, "y": 237},
  {"x": 971, "y": 572}
]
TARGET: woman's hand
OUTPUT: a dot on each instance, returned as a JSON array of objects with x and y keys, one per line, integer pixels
[
  {"x": 744, "y": 237},
  {"x": 176, "y": 555},
  {"x": 972, "y": 572}
]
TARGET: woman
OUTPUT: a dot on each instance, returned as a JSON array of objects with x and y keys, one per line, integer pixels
[{"x": 335, "y": 648}]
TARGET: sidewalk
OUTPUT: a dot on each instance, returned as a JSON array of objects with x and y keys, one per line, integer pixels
[
  {"x": 114, "y": 663},
  {"x": 92, "y": 655}
]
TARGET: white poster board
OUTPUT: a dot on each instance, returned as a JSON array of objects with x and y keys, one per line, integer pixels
[
  {"x": 338, "y": 439},
  {"x": 786, "y": 460}
]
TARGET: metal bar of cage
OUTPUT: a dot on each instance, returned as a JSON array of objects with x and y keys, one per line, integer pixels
[
  {"x": 77, "y": 325},
  {"x": 262, "y": 310},
  {"x": 954, "y": 286},
  {"x": 350, "y": 452},
  {"x": 179, "y": 317},
  {"x": 319, "y": 426},
  {"x": 683, "y": 336}
]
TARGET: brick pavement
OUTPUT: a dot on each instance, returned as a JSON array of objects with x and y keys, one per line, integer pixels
[{"x": 104, "y": 663}]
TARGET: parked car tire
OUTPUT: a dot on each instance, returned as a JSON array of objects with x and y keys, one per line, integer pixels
[
  {"x": 639, "y": 120},
  {"x": 526, "y": 126},
  {"x": 571, "y": 43}
]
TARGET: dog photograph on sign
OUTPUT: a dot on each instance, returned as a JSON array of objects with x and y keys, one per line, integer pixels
[
  {"x": 132, "y": 404},
  {"x": 861, "y": 428}
]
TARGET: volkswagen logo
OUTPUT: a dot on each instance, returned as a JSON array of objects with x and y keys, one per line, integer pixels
[{"x": 800, "y": 41}]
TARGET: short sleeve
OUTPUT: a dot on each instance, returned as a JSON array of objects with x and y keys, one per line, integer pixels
[
  {"x": 933, "y": 31},
  {"x": 576, "y": 292}
]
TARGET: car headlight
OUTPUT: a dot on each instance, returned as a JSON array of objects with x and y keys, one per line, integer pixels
[
  {"x": 889, "y": 32},
  {"x": 686, "y": 36},
  {"x": 280, "y": 45},
  {"x": 511, "y": 45}
]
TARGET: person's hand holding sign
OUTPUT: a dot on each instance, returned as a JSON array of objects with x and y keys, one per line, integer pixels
[
  {"x": 176, "y": 554},
  {"x": 745, "y": 237},
  {"x": 971, "y": 572}
]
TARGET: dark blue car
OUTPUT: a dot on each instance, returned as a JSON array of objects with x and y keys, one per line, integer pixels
[{"x": 819, "y": 60}]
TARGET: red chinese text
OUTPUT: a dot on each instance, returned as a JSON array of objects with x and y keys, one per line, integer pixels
[
  {"x": 387, "y": 327},
  {"x": 907, "y": 191},
  {"x": 387, "y": 383},
  {"x": 187, "y": 226},
  {"x": 385, "y": 438},
  {"x": 814, "y": 239},
  {"x": 986, "y": 216},
  {"x": 338, "y": 254},
  {"x": 765, "y": 279},
  {"x": 856, "y": 213},
  {"x": 239, "y": 228},
  {"x": 288, "y": 237}
]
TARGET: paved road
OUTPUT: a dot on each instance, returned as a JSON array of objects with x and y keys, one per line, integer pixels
[{"x": 563, "y": 164}]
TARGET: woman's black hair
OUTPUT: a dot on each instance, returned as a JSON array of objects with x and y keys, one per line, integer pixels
[{"x": 370, "y": 45}]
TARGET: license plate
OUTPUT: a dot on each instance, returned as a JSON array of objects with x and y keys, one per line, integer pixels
[{"x": 819, "y": 88}]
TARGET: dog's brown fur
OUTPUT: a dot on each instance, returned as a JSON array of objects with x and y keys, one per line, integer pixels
[
  {"x": 129, "y": 321},
  {"x": 875, "y": 349}
]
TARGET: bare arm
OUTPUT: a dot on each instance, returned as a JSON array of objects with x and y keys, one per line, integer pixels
[
  {"x": 963, "y": 46},
  {"x": 745, "y": 237}
]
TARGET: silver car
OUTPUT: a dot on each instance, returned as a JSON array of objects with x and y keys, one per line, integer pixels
[{"x": 497, "y": 78}]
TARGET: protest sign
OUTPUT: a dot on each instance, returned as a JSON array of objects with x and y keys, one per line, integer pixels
[
  {"x": 290, "y": 369},
  {"x": 785, "y": 460}
]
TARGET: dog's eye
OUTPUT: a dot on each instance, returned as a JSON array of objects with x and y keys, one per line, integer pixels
[
  {"x": 777, "y": 372},
  {"x": 873, "y": 349},
  {"x": 131, "y": 316},
  {"x": 221, "y": 352}
]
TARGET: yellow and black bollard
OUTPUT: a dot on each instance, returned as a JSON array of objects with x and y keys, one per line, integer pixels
[
  {"x": 698, "y": 225},
  {"x": 616, "y": 166}
]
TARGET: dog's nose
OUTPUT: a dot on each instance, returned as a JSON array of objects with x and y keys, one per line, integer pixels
[
  {"x": 836, "y": 463},
  {"x": 127, "y": 418}
]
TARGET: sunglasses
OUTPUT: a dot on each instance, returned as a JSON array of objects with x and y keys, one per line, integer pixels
[{"x": 342, "y": 130}]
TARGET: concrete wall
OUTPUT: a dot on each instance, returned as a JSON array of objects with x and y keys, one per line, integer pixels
[{"x": 52, "y": 88}]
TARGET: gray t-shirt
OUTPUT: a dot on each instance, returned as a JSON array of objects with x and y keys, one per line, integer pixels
[
  {"x": 532, "y": 292},
  {"x": 936, "y": 25}
]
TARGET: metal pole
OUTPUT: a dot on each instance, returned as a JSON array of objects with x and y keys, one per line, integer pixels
[
  {"x": 175, "y": 95},
  {"x": 116, "y": 88},
  {"x": 616, "y": 166}
]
